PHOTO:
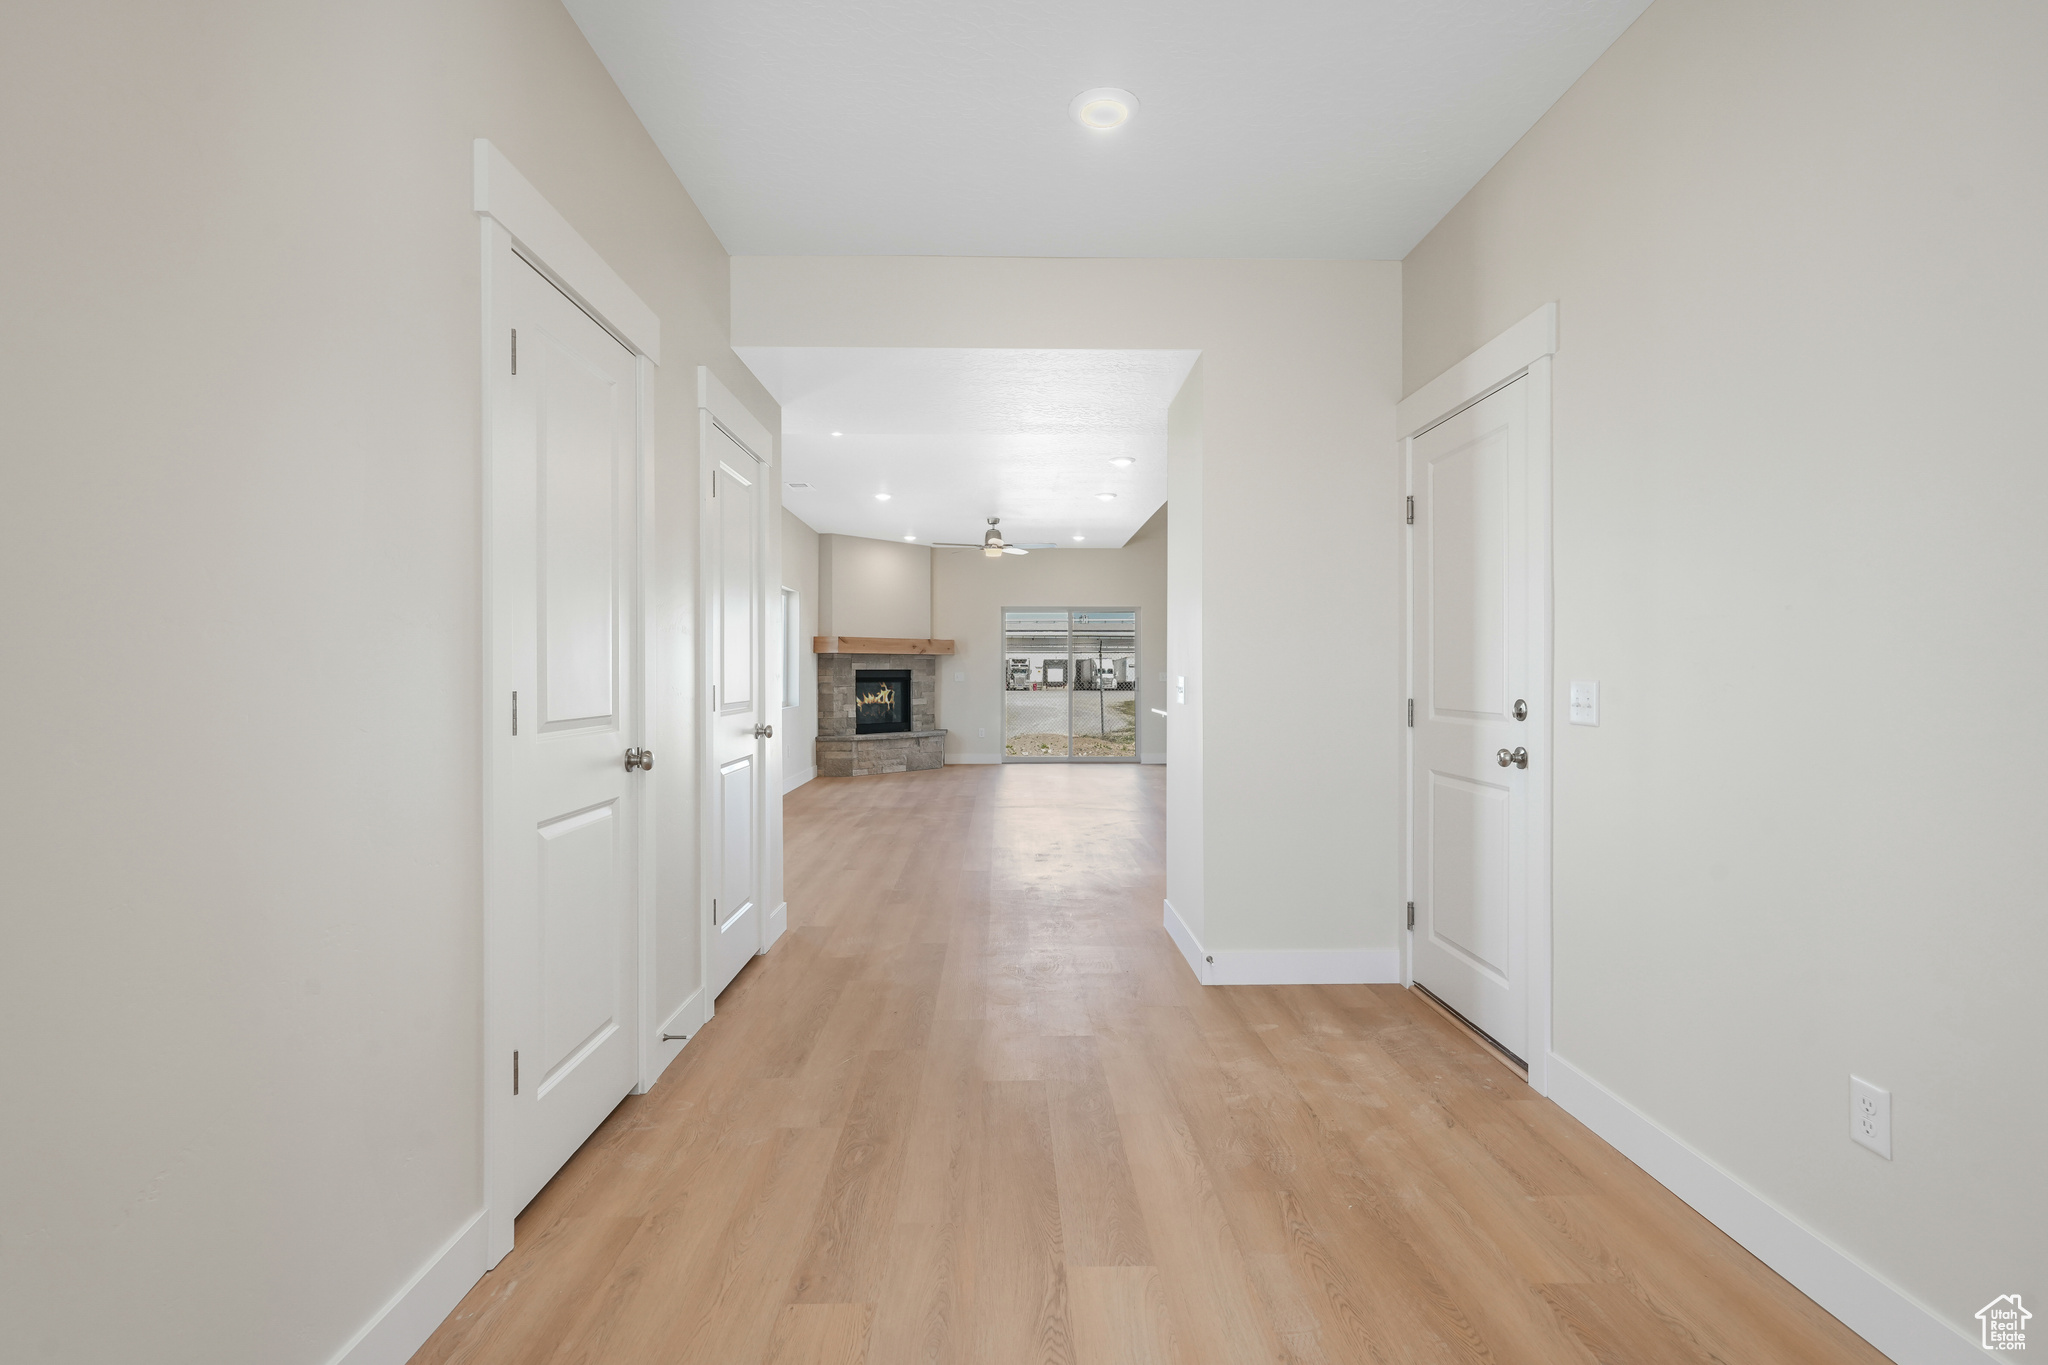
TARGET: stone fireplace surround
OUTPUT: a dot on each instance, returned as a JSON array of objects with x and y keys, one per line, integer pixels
[{"x": 842, "y": 753}]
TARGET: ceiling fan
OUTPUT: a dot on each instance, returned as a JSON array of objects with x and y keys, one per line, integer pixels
[{"x": 992, "y": 544}]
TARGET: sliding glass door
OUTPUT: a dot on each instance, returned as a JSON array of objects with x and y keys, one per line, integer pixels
[{"x": 1070, "y": 684}]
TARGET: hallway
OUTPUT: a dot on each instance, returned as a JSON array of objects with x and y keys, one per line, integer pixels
[{"x": 973, "y": 1108}]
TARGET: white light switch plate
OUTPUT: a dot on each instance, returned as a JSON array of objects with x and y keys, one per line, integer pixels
[
  {"x": 1870, "y": 1116},
  {"x": 959, "y": 676},
  {"x": 1585, "y": 703}
]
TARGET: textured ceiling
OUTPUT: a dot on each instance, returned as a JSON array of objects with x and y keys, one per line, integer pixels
[
  {"x": 1336, "y": 129},
  {"x": 957, "y": 436}
]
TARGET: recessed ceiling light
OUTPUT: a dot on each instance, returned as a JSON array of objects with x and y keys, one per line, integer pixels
[
  {"x": 1106, "y": 497},
  {"x": 838, "y": 433},
  {"x": 1124, "y": 461},
  {"x": 910, "y": 537},
  {"x": 1103, "y": 109},
  {"x": 881, "y": 497},
  {"x": 1080, "y": 537}
]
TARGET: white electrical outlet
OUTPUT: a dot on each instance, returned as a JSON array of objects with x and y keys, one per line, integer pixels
[
  {"x": 959, "y": 676},
  {"x": 982, "y": 733},
  {"x": 1870, "y": 1116},
  {"x": 1585, "y": 703},
  {"x": 1181, "y": 690}
]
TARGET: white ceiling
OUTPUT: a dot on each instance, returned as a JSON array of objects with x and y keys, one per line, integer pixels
[
  {"x": 1332, "y": 129},
  {"x": 956, "y": 436}
]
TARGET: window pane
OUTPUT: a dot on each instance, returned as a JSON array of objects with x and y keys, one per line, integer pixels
[
  {"x": 1035, "y": 668},
  {"x": 1104, "y": 687}
]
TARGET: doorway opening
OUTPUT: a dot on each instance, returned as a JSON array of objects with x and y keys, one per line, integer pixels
[{"x": 1070, "y": 684}]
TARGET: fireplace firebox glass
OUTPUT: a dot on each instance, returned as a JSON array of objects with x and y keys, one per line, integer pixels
[{"x": 881, "y": 701}]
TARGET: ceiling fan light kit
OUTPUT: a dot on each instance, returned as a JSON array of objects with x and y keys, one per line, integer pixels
[{"x": 992, "y": 545}]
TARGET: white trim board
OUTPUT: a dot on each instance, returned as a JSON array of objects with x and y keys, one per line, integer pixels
[
  {"x": 1879, "y": 1312},
  {"x": 1282, "y": 966},
  {"x": 1185, "y": 940},
  {"x": 1496, "y": 363},
  {"x": 952, "y": 759},
  {"x": 684, "y": 1022},
  {"x": 404, "y": 1323},
  {"x": 1153, "y": 760},
  {"x": 543, "y": 236},
  {"x": 730, "y": 413},
  {"x": 792, "y": 780}
]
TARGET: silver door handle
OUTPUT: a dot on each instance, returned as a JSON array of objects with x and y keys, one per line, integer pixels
[
  {"x": 764, "y": 732},
  {"x": 1518, "y": 759},
  {"x": 639, "y": 758}
]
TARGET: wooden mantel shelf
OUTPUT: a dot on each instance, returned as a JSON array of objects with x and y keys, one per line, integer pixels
[{"x": 876, "y": 644}]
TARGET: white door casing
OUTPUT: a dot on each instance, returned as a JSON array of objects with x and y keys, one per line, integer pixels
[
  {"x": 566, "y": 868},
  {"x": 737, "y": 703},
  {"x": 1477, "y": 451}
]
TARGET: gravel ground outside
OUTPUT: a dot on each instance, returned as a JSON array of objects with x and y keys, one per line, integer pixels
[{"x": 1105, "y": 724}]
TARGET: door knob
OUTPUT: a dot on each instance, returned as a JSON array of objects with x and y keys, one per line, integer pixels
[
  {"x": 1518, "y": 759},
  {"x": 639, "y": 758},
  {"x": 764, "y": 732}
]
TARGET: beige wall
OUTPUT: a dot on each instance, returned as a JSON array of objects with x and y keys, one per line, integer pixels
[
  {"x": 797, "y": 731},
  {"x": 969, "y": 592},
  {"x": 1298, "y": 522},
  {"x": 1800, "y": 491},
  {"x": 874, "y": 587},
  {"x": 240, "y": 967}
]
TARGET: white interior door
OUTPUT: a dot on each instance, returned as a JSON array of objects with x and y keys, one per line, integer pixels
[
  {"x": 1470, "y": 811},
  {"x": 738, "y": 673},
  {"x": 563, "y": 525}
]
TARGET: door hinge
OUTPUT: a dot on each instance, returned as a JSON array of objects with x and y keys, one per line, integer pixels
[
  {"x": 714, "y": 909},
  {"x": 714, "y": 483},
  {"x": 1411, "y": 914},
  {"x": 515, "y": 1073},
  {"x": 1411, "y": 713},
  {"x": 515, "y": 350},
  {"x": 515, "y": 713},
  {"x": 1411, "y": 511}
]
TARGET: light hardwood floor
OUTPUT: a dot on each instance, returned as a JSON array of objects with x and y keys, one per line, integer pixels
[{"x": 973, "y": 1108}]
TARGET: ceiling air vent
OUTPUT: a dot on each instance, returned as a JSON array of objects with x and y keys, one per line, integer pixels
[{"x": 799, "y": 485}]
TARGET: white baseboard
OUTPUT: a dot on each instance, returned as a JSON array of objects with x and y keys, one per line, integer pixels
[
  {"x": 1305, "y": 967},
  {"x": 403, "y": 1325},
  {"x": 681, "y": 1025},
  {"x": 792, "y": 780},
  {"x": 1283, "y": 966},
  {"x": 1156, "y": 759},
  {"x": 1185, "y": 940},
  {"x": 778, "y": 921},
  {"x": 1874, "y": 1309}
]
